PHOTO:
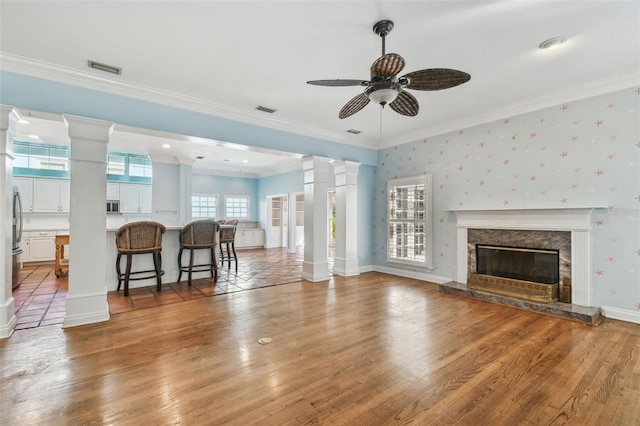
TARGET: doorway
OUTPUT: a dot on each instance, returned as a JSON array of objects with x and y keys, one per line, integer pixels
[{"x": 277, "y": 221}]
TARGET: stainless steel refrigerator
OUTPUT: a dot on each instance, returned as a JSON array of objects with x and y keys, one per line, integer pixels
[{"x": 17, "y": 237}]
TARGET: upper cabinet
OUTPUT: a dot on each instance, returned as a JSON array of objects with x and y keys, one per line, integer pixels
[
  {"x": 25, "y": 187},
  {"x": 113, "y": 191},
  {"x": 135, "y": 198},
  {"x": 51, "y": 195}
]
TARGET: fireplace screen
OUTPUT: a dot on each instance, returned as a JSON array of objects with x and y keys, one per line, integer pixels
[{"x": 527, "y": 264}]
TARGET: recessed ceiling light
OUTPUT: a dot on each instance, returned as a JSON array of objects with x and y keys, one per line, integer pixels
[
  {"x": 166, "y": 145},
  {"x": 34, "y": 136},
  {"x": 23, "y": 121},
  {"x": 552, "y": 43},
  {"x": 245, "y": 161}
]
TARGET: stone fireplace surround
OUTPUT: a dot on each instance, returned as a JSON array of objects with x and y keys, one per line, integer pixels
[{"x": 575, "y": 220}]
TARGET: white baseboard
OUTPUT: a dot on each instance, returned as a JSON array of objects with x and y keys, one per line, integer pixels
[
  {"x": 408, "y": 273},
  {"x": 88, "y": 308},
  {"x": 7, "y": 330},
  {"x": 621, "y": 314}
]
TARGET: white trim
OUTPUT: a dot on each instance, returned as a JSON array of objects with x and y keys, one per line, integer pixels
[
  {"x": 621, "y": 314},
  {"x": 85, "y": 309},
  {"x": 7, "y": 311},
  {"x": 40, "y": 69},
  {"x": 408, "y": 273},
  {"x": 571, "y": 94},
  {"x": 576, "y": 220}
]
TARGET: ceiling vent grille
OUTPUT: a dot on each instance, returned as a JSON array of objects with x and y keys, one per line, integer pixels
[
  {"x": 105, "y": 68},
  {"x": 265, "y": 109},
  {"x": 354, "y": 131}
]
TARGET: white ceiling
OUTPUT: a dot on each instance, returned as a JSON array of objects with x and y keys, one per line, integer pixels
[{"x": 226, "y": 58}]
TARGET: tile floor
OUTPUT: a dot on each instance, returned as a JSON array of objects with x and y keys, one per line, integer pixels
[{"x": 40, "y": 299}]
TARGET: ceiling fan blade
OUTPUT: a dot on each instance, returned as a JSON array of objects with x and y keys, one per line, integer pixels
[
  {"x": 433, "y": 79},
  {"x": 354, "y": 105},
  {"x": 389, "y": 65},
  {"x": 405, "y": 104},
  {"x": 338, "y": 83}
]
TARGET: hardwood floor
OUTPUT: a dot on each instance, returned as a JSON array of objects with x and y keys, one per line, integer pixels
[{"x": 367, "y": 350}]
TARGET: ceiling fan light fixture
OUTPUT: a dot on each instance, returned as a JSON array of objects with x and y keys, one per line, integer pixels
[{"x": 383, "y": 96}]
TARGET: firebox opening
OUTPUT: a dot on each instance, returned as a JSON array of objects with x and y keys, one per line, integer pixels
[{"x": 527, "y": 264}]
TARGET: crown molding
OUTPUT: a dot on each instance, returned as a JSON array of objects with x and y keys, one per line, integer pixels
[
  {"x": 571, "y": 94},
  {"x": 88, "y": 80}
]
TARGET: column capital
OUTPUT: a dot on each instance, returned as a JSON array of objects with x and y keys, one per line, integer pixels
[
  {"x": 88, "y": 128},
  {"x": 8, "y": 114},
  {"x": 346, "y": 166}
]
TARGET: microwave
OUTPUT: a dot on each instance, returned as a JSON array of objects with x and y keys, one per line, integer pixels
[{"x": 113, "y": 206}]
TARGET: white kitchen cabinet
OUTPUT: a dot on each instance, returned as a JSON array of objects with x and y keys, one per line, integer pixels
[
  {"x": 38, "y": 246},
  {"x": 51, "y": 195},
  {"x": 113, "y": 191},
  {"x": 250, "y": 237},
  {"x": 135, "y": 198},
  {"x": 25, "y": 187}
]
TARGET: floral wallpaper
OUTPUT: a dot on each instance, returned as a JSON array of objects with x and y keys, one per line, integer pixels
[{"x": 578, "y": 154}]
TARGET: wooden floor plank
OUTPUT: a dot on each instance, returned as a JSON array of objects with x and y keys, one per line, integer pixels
[{"x": 366, "y": 350}]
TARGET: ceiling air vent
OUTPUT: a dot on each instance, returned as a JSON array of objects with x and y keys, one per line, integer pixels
[
  {"x": 354, "y": 131},
  {"x": 105, "y": 68},
  {"x": 265, "y": 109},
  {"x": 199, "y": 157}
]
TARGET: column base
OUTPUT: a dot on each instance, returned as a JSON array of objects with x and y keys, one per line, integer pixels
[
  {"x": 346, "y": 267},
  {"x": 315, "y": 272},
  {"x": 8, "y": 318},
  {"x": 86, "y": 309}
]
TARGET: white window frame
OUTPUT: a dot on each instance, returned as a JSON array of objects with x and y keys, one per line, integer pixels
[
  {"x": 410, "y": 222},
  {"x": 228, "y": 200},
  {"x": 216, "y": 200}
]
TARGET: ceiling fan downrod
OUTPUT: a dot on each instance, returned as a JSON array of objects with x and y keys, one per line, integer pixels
[{"x": 382, "y": 28}]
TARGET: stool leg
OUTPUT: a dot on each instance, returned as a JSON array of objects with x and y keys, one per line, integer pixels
[
  {"x": 126, "y": 275},
  {"x": 118, "y": 272},
  {"x": 180, "y": 264},
  {"x": 235, "y": 256},
  {"x": 157, "y": 263},
  {"x": 214, "y": 265},
  {"x": 190, "y": 265}
]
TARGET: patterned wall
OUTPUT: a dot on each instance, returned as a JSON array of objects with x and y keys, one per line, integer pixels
[{"x": 578, "y": 154}]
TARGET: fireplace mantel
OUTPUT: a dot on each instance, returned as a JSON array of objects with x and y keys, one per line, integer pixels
[
  {"x": 551, "y": 219},
  {"x": 576, "y": 220}
]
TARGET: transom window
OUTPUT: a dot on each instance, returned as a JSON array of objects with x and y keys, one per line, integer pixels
[
  {"x": 204, "y": 206},
  {"x": 409, "y": 221},
  {"x": 236, "y": 207}
]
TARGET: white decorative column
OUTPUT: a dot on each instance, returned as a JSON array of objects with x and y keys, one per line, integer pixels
[
  {"x": 292, "y": 225},
  {"x": 186, "y": 173},
  {"x": 315, "y": 266},
  {"x": 87, "y": 296},
  {"x": 8, "y": 118},
  {"x": 346, "y": 257}
]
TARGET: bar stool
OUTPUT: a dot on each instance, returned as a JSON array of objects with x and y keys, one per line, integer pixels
[
  {"x": 228, "y": 237},
  {"x": 142, "y": 237},
  {"x": 199, "y": 235}
]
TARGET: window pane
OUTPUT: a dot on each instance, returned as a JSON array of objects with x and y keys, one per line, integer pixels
[
  {"x": 116, "y": 164},
  {"x": 204, "y": 206},
  {"x": 236, "y": 207},
  {"x": 139, "y": 166},
  {"x": 409, "y": 227}
]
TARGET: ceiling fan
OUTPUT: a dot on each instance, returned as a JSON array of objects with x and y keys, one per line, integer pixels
[{"x": 385, "y": 89}]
